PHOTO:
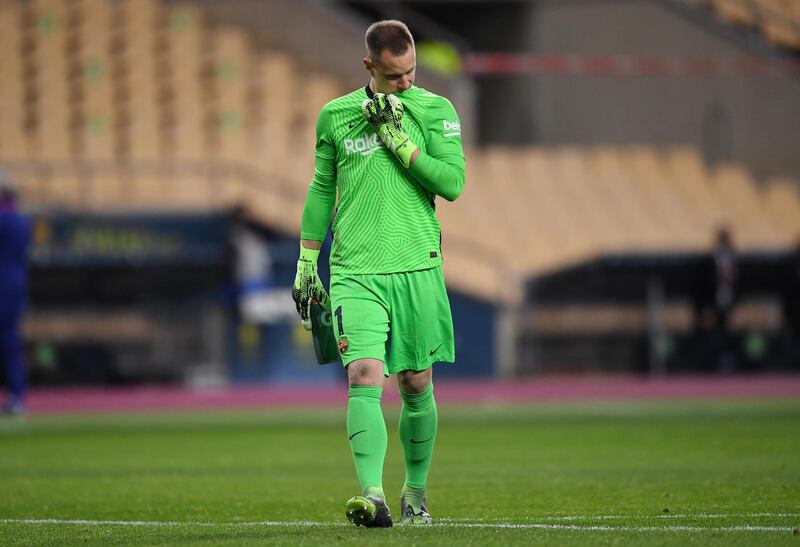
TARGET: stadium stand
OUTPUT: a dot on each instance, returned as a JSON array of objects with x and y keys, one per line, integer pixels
[
  {"x": 571, "y": 205},
  {"x": 13, "y": 106},
  {"x": 778, "y": 20},
  {"x": 735, "y": 11},
  {"x": 187, "y": 63},
  {"x": 140, "y": 81},
  {"x": 96, "y": 139},
  {"x": 136, "y": 105},
  {"x": 274, "y": 87},
  {"x": 51, "y": 64}
]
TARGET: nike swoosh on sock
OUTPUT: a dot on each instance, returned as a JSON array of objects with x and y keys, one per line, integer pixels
[{"x": 357, "y": 432}]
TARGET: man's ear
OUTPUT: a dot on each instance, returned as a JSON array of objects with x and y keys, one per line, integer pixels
[{"x": 368, "y": 64}]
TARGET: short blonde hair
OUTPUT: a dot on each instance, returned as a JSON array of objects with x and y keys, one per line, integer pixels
[{"x": 390, "y": 34}]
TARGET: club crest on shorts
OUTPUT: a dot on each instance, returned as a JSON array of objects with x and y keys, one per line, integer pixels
[{"x": 344, "y": 345}]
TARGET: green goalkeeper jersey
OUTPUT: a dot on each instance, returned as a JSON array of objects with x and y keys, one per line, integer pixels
[{"x": 385, "y": 215}]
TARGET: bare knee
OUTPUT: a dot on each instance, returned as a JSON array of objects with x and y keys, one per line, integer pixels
[
  {"x": 414, "y": 381},
  {"x": 365, "y": 372}
]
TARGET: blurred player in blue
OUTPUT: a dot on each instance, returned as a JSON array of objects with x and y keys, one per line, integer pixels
[{"x": 14, "y": 238}]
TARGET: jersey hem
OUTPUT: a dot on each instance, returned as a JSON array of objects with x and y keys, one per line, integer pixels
[{"x": 336, "y": 271}]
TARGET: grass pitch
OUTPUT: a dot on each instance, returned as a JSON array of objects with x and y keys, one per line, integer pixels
[{"x": 712, "y": 473}]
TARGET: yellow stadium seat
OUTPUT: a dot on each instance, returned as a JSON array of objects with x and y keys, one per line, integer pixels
[
  {"x": 317, "y": 90},
  {"x": 14, "y": 139},
  {"x": 52, "y": 134},
  {"x": 274, "y": 87},
  {"x": 561, "y": 231},
  {"x": 232, "y": 112},
  {"x": 691, "y": 184},
  {"x": 587, "y": 201},
  {"x": 556, "y": 232},
  {"x": 97, "y": 125},
  {"x": 736, "y": 191},
  {"x": 477, "y": 216},
  {"x": 277, "y": 84},
  {"x": 525, "y": 235},
  {"x": 189, "y": 109},
  {"x": 778, "y": 22},
  {"x": 737, "y": 11},
  {"x": 781, "y": 201},
  {"x": 623, "y": 202},
  {"x": 666, "y": 214},
  {"x": 141, "y": 38}
]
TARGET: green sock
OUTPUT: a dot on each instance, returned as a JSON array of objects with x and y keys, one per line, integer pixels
[
  {"x": 366, "y": 430},
  {"x": 417, "y": 428}
]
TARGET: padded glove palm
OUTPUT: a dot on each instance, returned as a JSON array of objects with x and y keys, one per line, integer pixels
[
  {"x": 307, "y": 288},
  {"x": 384, "y": 113}
]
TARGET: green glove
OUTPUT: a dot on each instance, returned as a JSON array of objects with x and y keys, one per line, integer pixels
[
  {"x": 384, "y": 113},
  {"x": 307, "y": 287}
]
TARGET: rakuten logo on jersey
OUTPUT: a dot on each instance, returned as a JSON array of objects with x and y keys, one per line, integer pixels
[
  {"x": 451, "y": 128},
  {"x": 365, "y": 145}
]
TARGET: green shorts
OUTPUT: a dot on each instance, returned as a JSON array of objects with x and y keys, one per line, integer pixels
[{"x": 402, "y": 319}]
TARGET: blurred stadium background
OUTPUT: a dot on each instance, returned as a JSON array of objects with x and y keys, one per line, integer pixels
[
  {"x": 163, "y": 149},
  {"x": 616, "y": 382}
]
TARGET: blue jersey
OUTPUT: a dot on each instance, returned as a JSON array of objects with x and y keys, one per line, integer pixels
[{"x": 14, "y": 239}]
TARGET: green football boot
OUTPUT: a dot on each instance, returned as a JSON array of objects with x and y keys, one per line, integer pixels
[
  {"x": 408, "y": 516},
  {"x": 368, "y": 511}
]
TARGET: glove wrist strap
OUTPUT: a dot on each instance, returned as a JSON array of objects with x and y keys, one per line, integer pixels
[
  {"x": 309, "y": 254},
  {"x": 405, "y": 151}
]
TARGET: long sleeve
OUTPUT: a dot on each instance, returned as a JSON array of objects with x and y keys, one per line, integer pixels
[
  {"x": 442, "y": 176},
  {"x": 321, "y": 196},
  {"x": 441, "y": 169}
]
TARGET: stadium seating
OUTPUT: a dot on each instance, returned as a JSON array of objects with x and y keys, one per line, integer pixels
[
  {"x": 187, "y": 83},
  {"x": 735, "y": 11},
  {"x": 51, "y": 64},
  {"x": 779, "y": 20},
  {"x": 274, "y": 87},
  {"x": 579, "y": 204},
  {"x": 781, "y": 200},
  {"x": 13, "y": 107},
  {"x": 138, "y": 104},
  {"x": 96, "y": 112},
  {"x": 231, "y": 108},
  {"x": 141, "y": 80}
]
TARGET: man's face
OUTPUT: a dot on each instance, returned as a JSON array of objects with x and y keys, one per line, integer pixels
[{"x": 393, "y": 73}]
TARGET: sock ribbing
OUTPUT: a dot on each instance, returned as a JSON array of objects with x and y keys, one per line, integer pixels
[{"x": 417, "y": 401}]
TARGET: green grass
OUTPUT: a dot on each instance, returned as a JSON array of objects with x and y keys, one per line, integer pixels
[{"x": 642, "y": 474}]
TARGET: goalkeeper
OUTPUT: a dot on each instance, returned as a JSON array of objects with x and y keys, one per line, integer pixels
[{"x": 388, "y": 150}]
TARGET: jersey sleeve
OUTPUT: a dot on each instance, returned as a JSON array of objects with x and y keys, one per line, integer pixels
[
  {"x": 444, "y": 130},
  {"x": 321, "y": 196},
  {"x": 441, "y": 169}
]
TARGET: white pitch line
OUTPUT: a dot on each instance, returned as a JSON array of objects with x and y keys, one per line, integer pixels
[
  {"x": 605, "y": 528},
  {"x": 444, "y": 524},
  {"x": 168, "y": 523},
  {"x": 700, "y": 516}
]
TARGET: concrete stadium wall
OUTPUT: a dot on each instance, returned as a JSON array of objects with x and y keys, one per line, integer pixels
[{"x": 752, "y": 120}]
